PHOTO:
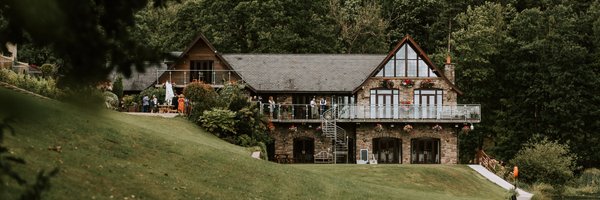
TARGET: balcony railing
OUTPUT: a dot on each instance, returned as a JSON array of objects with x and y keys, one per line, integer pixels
[
  {"x": 183, "y": 77},
  {"x": 381, "y": 113}
]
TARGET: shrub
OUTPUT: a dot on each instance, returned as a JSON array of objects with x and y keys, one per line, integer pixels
[
  {"x": 545, "y": 161},
  {"x": 111, "y": 100},
  {"x": 219, "y": 121},
  {"x": 202, "y": 97},
  {"x": 45, "y": 87},
  {"x": 117, "y": 87},
  {"x": 233, "y": 96},
  {"x": 48, "y": 70},
  {"x": 250, "y": 122},
  {"x": 158, "y": 92},
  {"x": 589, "y": 179}
]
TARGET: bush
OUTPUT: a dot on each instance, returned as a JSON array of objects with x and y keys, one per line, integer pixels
[
  {"x": 111, "y": 100},
  {"x": 158, "y": 92},
  {"x": 117, "y": 87},
  {"x": 590, "y": 179},
  {"x": 48, "y": 70},
  {"x": 219, "y": 121},
  {"x": 45, "y": 87},
  {"x": 233, "y": 96},
  {"x": 202, "y": 97},
  {"x": 545, "y": 161}
]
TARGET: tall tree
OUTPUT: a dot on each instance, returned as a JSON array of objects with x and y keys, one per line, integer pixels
[{"x": 85, "y": 34}]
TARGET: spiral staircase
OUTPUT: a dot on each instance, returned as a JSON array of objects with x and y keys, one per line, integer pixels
[{"x": 336, "y": 134}]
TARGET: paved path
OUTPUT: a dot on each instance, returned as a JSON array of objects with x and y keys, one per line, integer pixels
[
  {"x": 165, "y": 115},
  {"x": 501, "y": 182}
]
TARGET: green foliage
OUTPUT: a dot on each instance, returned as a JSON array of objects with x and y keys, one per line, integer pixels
[
  {"x": 220, "y": 122},
  {"x": 84, "y": 34},
  {"x": 111, "y": 100},
  {"x": 546, "y": 162},
  {"x": 117, "y": 87},
  {"x": 233, "y": 96},
  {"x": 45, "y": 87},
  {"x": 202, "y": 97},
  {"x": 590, "y": 178},
  {"x": 48, "y": 70},
  {"x": 158, "y": 92}
]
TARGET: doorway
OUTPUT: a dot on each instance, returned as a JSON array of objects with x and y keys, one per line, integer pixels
[
  {"x": 304, "y": 150},
  {"x": 387, "y": 150},
  {"x": 425, "y": 151}
]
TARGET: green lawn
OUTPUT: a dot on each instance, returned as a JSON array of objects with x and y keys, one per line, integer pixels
[{"x": 106, "y": 154}]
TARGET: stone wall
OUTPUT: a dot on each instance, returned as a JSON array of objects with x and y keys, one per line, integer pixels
[
  {"x": 365, "y": 132},
  {"x": 284, "y": 138},
  {"x": 406, "y": 93}
]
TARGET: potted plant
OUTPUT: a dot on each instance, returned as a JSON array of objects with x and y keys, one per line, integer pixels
[
  {"x": 386, "y": 83},
  {"x": 293, "y": 129},
  {"x": 408, "y": 83},
  {"x": 437, "y": 128},
  {"x": 427, "y": 83},
  {"x": 407, "y": 128},
  {"x": 378, "y": 128}
]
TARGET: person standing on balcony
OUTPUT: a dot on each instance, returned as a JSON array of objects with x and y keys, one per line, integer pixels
[
  {"x": 313, "y": 107},
  {"x": 323, "y": 104},
  {"x": 145, "y": 103},
  {"x": 271, "y": 107}
]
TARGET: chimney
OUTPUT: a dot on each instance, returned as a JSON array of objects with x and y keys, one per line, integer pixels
[{"x": 449, "y": 69}]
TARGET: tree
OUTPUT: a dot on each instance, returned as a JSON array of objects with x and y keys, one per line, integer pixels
[
  {"x": 117, "y": 87},
  {"x": 85, "y": 34},
  {"x": 360, "y": 25}
]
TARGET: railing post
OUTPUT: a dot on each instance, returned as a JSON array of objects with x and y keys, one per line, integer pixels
[
  {"x": 293, "y": 113},
  {"x": 184, "y": 75},
  {"x": 279, "y": 111},
  {"x": 307, "y": 111},
  {"x": 214, "y": 75},
  {"x": 170, "y": 77},
  {"x": 229, "y": 76}
]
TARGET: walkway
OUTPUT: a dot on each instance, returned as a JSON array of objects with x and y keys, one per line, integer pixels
[
  {"x": 165, "y": 115},
  {"x": 501, "y": 182}
]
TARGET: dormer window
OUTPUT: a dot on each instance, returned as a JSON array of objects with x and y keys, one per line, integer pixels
[{"x": 406, "y": 63}]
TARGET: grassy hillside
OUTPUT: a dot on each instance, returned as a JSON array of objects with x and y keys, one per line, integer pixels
[{"x": 107, "y": 154}]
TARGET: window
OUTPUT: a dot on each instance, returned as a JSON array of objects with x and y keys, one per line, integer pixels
[
  {"x": 384, "y": 103},
  {"x": 428, "y": 103},
  {"x": 202, "y": 70},
  {"x": 406, "y": 63}
]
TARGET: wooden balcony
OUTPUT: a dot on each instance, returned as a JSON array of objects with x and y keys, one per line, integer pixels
[{"x": 298, "y": 113}]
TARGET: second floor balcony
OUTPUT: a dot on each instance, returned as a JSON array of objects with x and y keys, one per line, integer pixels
[
  {"x": 469, "y": 113},
  {"x": 183, "y": 77}
]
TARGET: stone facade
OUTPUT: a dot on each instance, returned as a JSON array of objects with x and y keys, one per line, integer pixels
[
  {"x": 365, "y": 133},
  {"x": 406, "y": 93},
  {"x": 284, "y": 138}
]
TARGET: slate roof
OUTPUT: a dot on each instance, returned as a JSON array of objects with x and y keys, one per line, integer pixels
[
  {"x": 304, "y": 72},
  {"x": 140, "y": 81}
]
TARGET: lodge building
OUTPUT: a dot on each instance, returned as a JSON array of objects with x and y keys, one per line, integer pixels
[{"x": 393, "y": 108}]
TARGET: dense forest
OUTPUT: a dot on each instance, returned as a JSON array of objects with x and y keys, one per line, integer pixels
[{"x": 534, "y": 66}]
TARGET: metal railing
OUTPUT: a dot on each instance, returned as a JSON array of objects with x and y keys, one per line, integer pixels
[
  {"x": 396, "y": 112},
  {"x": 213, "y": 77}
]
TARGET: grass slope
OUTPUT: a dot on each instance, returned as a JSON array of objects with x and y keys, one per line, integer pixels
[{"x": 114, "y": 155}]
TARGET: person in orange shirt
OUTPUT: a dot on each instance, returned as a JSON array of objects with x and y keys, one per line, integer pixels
[{"x": 181, "y": 103}]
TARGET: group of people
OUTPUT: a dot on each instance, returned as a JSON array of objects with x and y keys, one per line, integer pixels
[
  {"x": 314, "y": 107},
  {"x": 178, "y": 102}
]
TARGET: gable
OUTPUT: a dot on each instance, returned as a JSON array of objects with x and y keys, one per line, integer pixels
[{"x": 406, "y": 62}]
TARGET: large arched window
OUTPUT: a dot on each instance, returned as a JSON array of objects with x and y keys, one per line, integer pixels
[
  {"x": 387, "y": 150},
  {"x": 406, "y": 63}
]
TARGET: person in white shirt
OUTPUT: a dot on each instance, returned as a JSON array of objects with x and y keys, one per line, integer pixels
[{"x": 313, "y": 107}]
